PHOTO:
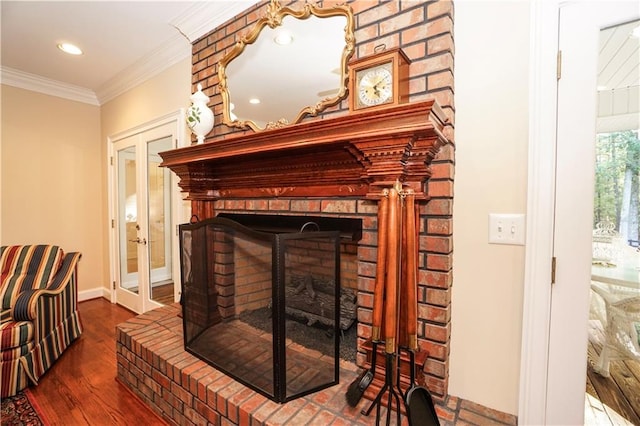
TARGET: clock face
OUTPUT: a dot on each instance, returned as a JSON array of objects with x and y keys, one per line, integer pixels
[{"x": 375, "y": 85}]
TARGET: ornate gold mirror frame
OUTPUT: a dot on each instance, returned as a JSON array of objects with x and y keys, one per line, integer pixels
[{"x": 253, "y": 71}]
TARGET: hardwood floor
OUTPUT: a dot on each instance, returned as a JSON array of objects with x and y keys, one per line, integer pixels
[
  {"x": 163, "y": 293},
  {"x": 613, "y": 400},
  {"x": 80, "y": 388}
]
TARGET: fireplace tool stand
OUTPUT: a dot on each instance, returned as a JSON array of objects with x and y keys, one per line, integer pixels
[{"x": 398, "y": 282}]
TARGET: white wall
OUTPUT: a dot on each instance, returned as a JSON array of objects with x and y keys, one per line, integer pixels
[
  {"x": 159, "y": 96},
  {"x": 51, "y": 177},
  {"x": 54, "y": 166},
  {"x": 491, "y": 132},
  {"x": 163, "y": 94}
]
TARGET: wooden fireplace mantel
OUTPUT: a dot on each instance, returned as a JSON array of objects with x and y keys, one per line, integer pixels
[{"x": 351, "y": 155}]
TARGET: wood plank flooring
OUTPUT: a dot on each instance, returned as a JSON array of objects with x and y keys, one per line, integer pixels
[
  {"x": 613, "y": 400},
  {"x": 163, "y": 293},
  {"x": 80, "y": 388}
]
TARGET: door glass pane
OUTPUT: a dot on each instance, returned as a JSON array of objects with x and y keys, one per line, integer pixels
[
  {"x": 127, "y": 215},
  {"x": 614, "y": 320},
  {"x": 159, "y": 220}
]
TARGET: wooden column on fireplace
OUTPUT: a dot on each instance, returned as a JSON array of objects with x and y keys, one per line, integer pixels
[{"x": 355, "y": 155}]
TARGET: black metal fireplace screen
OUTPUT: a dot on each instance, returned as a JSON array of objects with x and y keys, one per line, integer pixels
[{"x": 244, "y": 294}]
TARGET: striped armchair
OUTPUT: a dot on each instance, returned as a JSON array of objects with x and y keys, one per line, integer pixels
[{"x": 39, "y": 317}]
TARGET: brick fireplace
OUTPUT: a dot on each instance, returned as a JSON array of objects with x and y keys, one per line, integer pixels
[
  {"x": 424, "y": 31},
  {"x": 336, "y": 165}
]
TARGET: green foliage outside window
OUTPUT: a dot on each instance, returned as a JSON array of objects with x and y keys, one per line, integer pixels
[{"x": 617, "y": 182}]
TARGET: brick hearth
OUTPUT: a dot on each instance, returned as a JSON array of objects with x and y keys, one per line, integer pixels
[{"x": 184, "y": 390}]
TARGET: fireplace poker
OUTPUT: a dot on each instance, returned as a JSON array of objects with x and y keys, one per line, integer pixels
[
  {"x": 391, "y": 302},
  {"x": 361, "y": 383}
]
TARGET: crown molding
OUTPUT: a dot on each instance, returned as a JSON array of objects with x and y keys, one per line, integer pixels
[
  {"x": 201, "y": 18},
  {"x": 169, "y": 53},
  {"x": 36, "y": 83},
  {"x": 192, "y": 24}
]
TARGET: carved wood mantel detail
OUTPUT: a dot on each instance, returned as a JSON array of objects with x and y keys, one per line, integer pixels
[{"x": 352, "y": 155}]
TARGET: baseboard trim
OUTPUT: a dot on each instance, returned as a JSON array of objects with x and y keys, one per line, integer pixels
[{"x": 94, "y": 293}]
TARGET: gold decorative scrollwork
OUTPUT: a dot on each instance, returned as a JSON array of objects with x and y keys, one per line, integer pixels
[{"x": 242, "y": 116}]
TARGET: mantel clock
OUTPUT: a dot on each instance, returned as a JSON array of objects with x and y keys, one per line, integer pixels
[{"x": 379, "y": 80}]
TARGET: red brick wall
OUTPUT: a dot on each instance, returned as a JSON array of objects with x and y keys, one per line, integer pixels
[
  {"x": 424, "y": 30},
  {"x": 349, "y": 265},
  {"x": 253, "y": 275}
]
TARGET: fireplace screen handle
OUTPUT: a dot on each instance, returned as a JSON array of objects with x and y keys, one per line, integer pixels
[{"x": 309, "y": 224}]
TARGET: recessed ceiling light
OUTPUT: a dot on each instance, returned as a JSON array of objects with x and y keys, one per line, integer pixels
[
  {"x": 69, "y": 48},
  {"x": 254, "y": 101}
]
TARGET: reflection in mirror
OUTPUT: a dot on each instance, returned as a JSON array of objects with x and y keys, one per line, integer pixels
[
  {"x": 159, "y": 223},
  {"x": 291, "y": 64},
  {"x": 128, "y": 215}
]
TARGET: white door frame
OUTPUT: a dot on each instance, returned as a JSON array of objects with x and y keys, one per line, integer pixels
[
  {"x": 536, "y": 404},
  {"x": 177, "y": 207},
  {"x": 540, "y": 207}
]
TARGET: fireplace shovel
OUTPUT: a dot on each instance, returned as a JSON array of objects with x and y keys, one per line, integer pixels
[{"x": 418, "y": 401}]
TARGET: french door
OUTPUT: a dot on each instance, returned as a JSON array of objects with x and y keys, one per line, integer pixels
[
  {"x": 580, "y": 26},
  {"x": 561, "y": 167},
  {"x": 141, "y": 194}
]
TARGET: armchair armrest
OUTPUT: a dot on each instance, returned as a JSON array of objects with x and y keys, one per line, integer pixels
[{"x": 45, "y": 304}]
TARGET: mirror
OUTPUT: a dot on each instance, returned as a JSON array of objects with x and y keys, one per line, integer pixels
[{"x": 290, "y": 65}]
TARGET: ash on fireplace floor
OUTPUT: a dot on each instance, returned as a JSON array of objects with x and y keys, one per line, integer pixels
[{"x": 315, "y": 336}]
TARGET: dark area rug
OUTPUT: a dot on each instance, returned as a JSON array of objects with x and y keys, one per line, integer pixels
[
  {"x": 314, "y": 336},
  {"x": 20, "y": 411}
]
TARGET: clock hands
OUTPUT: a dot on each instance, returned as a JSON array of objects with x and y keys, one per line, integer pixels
[{"x": 374, "y": 87}]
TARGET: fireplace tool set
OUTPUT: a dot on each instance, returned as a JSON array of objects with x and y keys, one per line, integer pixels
[{"x": 394, "y": 316}]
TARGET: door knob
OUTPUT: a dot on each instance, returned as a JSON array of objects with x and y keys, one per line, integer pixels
[{"x": 139, "y": 241}]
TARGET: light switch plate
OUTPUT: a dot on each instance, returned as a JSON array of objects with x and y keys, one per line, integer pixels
[{"x": 507, "y": 229}]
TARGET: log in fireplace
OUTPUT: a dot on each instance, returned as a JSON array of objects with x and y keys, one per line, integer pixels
[{"x": 308, "y": 292}]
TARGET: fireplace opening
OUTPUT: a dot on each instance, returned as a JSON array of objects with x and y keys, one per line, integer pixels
[{"x": 262, "y": 299}]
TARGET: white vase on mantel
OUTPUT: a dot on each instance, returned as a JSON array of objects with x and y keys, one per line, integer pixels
[{"x": 199, "y": 115}]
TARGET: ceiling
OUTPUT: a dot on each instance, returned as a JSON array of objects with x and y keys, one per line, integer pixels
[
  {"x": 127, "y": 42},
  {"x": 618, "y": 76},
  {"x": 124, "y": 42},
  {"x": 619, "y": 59}
]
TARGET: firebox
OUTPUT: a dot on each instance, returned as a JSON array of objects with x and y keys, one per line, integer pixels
[{"x": 263, "y": 306}]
